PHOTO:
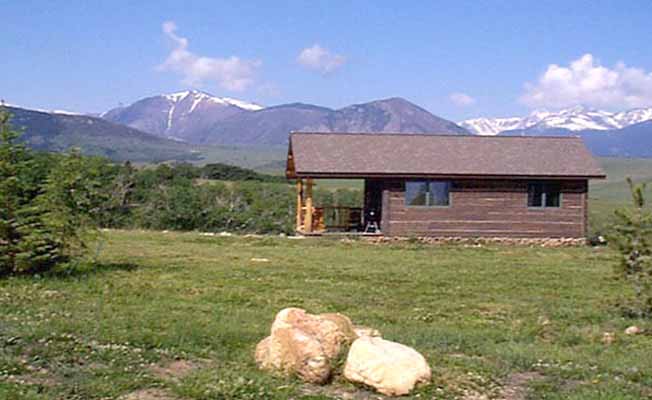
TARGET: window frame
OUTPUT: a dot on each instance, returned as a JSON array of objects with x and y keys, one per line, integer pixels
[
  {"x": 428, "y": 197},
  {"x": 545, "y": 189}
]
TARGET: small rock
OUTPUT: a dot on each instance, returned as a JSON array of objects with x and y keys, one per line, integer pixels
[
  {"x": 391, "y": 368},
  {"x": 633, "y": 330},
  {"x": 225, "y": 234},
  {"x": 608, "y": 338},
  {"x": 259, "y": 260}
]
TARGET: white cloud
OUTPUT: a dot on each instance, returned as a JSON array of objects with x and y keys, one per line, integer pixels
[
  {"x": 587, "y": 82},
  {"x": 320, "y": 59},
  {"x": 232, "y": 73},
  {"x": 461, "y": 99}
]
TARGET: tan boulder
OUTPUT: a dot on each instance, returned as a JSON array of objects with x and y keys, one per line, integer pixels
[
  {"x": 633, "y": 330},
  {"x": 391, "y": 368},
  {"x": 304, "y": 344}
]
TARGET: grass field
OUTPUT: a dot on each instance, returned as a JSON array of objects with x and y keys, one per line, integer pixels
[
  {"x": 177, "y": 316},
  {"x": 608, "y": 195}
]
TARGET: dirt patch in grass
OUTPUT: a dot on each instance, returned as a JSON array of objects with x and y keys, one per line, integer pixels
[
  {"x": 45, "y": 380},
  {"x": 516, "y": 387},
  {"x": 176, "y": 369},
  {"x": 338, "y": 392},
  {"x": 149, "y": 394}
]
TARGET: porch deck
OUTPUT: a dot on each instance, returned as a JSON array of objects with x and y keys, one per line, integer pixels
[{"x": 329, "y": 220}]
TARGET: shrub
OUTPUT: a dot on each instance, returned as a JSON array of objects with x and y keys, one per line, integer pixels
[
  {"x": 26, "y": 243},
  {"x": 632, "y": 237},
  {"x": 48, "y": 204}
]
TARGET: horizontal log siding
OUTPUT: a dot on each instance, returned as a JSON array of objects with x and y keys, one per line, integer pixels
[{"x": 487, "y": 208}]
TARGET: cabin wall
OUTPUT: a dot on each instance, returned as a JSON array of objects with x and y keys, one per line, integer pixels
[{"x": 487, "y": 208}]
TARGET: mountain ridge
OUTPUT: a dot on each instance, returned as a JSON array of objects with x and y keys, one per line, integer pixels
[
  {"x": 176, "y": 116},
  {"x": 577, "y": 118},
  {"x": 56, "y": 132}
]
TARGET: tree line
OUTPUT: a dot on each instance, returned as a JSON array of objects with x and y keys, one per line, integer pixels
[{"x": 51, "y": 205}]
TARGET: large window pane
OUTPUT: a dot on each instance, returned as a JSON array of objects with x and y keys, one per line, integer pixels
[
  {"x": 439, "y": 193},
  {"x": 552, "y": 196},
  {"x": 416, "y": 193},
  {"x": 427, "y": 193},
  {"x": 543, "y": 195},
  {"x": 535, "y": 195}
]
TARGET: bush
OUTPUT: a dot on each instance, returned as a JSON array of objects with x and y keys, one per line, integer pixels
[
  {"x": 26, "y": 243},
  {"x": 48, "y": 204},
  {"x": 632, "y": 237}
]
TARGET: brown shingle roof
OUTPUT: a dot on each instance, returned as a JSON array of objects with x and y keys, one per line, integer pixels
[{"x": 364, "y": 155}]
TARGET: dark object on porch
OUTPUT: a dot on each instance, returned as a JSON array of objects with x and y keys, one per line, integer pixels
[{"x": 442, "y": 185}]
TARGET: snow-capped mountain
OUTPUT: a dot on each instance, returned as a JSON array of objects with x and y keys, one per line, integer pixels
[
  {"x": 199, "y": 118},
  {"x": 198, "y": 97},
  {"x": 179, "y": 115},
  {"x": 572, "y": 119}
]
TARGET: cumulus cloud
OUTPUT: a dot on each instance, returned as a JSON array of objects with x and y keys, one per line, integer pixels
[
  {"x": 320, "y": 59},
  {"x": 461, "y": 99},
  {"x": 585, "y": 81},
  {"x": 231, "y": 73}
]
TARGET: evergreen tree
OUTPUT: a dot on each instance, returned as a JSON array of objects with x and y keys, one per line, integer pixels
[
  {"x": 74, "y": 196},
  {"x": 632, "y": 238},
  {"x": 26, "y": 245}
]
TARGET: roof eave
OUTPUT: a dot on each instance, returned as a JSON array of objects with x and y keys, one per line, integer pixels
[{"x": 357, "y": 175}]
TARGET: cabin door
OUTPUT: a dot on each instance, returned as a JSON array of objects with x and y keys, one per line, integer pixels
[{"x": 373, "y": 204}]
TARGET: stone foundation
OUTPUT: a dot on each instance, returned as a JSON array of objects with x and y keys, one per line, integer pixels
[{"x": 480, "y": 241}]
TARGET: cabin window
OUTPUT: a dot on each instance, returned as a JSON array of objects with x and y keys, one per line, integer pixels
[
  {"x": 543, "y": 195},
  {"x": 427, "y": 193}
]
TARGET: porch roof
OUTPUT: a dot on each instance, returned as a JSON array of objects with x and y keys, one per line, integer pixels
[{"x": 356, "y": 155}]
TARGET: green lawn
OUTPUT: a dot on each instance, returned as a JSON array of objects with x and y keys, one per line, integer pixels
[{"x": 484, "y": 317}]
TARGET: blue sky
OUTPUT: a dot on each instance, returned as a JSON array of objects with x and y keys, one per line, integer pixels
[{"x": 457, "y": 59}]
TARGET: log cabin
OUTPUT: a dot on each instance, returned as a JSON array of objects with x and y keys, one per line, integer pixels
[{"x": 446, "y": 185}]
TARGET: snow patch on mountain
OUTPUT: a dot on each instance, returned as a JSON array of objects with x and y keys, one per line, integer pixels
[
  {"x": 574, "y": 119},
  {"x": 199, "y": 97},
  {"x": 59, "y": 112}
]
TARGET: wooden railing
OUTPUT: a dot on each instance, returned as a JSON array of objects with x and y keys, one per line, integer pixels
[
  {"x": 334, "y": 218},
  {"x": 340, "y": 218},
  {"x": 311, "y": 219}
]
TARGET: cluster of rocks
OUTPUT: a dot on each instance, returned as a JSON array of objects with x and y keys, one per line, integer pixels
[
  {"x": 610, "y": 337},
  {"x": 309, "y": 346},
  {"x": 480, "y": 241}
]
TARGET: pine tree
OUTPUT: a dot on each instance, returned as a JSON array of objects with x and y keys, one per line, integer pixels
[
  {"x": 73, "y": 197},
  {"x": 12, "y": 159},
  {"x": 632, "y": 238},
  {"x": 26, "y": 244}
]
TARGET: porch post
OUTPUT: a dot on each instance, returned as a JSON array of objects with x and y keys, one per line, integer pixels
[
  {"x": 299, "y": 203},
  {"x": 307, "y": 226}
]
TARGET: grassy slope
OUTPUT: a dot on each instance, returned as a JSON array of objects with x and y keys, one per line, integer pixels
[
  {"x": 477, "y": 314},
  {"x": 269, "y": 159},
  {"x": 612, "y": 193}
]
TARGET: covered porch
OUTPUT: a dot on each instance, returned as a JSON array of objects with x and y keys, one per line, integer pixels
[{"x": 326, "y": 219}]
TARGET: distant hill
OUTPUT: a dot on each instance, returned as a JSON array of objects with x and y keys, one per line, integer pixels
[
  {"x": 630, "y": 141},
  {"x": 56, "y": 132},
  {"x": 200, "y": 118}
]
